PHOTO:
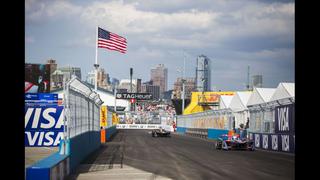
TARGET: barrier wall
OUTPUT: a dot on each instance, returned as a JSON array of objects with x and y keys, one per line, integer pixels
[
  {"x": 110, "y": 132},
  {"x": 53, "y": 167},
  {"x": 81, "y": 146},
  {"x": 274, "y": 142},
  {"x": 181, "y": 130},
  {"x": 215, "y": 133}
]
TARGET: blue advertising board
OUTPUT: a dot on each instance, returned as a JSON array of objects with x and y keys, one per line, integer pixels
[
  {"x": 284, "y": 119},
  {"x": 274, "y": 142},
  {"x": 41, "y": 98},
  {"x": 43, "y": 125}
]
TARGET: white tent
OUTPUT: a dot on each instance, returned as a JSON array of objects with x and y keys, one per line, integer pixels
[
  {"x": 260, "y": 96},
  {"x": 238, "y": 105},
  {"x": 283, "y": 91},
  {"x": 225, "y": 101},
  {"x": 239, "y": 101}
]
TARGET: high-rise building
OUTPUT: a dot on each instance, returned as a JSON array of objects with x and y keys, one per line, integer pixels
[
  {"x": 189, "y": 85},
  {"x": 103, "y": 79},
  {"x": 203, "y": 73},
  {"x": 68, "y": 71},
  {"x": 53, "y": 65},
  {"x": 55, "y": 79},
  {"x": 125, "y": 84},
  {"x": 147, "y": 87},
  {"x": 257, "y": 81},
  {"x": 90, "y": 78},
  {"x": 159, "y": 77}
]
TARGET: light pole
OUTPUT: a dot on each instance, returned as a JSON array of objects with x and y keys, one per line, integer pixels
[{"x": 183, "y": 80}]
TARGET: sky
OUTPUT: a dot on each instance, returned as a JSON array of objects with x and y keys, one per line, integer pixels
[{"x": 232, "y": 34}]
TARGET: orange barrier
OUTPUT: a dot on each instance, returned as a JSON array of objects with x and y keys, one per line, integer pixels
[{"x": 103, "y": 135}]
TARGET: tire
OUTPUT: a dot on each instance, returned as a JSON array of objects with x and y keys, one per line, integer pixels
[{"x": 217, "y": 145}]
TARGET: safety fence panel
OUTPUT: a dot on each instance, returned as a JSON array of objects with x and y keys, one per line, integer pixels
[{"x": 83, "y": 120}]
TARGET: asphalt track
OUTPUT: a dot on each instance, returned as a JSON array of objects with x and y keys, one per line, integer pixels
[{"x": 135, "y": 154}]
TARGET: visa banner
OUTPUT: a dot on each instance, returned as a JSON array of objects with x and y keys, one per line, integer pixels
[{"x": 43, "y": 125}]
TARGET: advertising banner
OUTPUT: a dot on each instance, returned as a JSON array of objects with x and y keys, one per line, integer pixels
[
  {"x": 43, "y": 125},
  {"x": 37, "y": 78},
  {"x": 275, "y": 142},
  {"x": 137, "y": 96},
  {"x": 209, "y": 99},
  {"x": 41, "y": 98},
  {"x": 284, "y": 116},
  {"x": 103, "y": 116}
]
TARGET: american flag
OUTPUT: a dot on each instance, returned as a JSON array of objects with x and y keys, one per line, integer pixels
[{"x": 111, "y": 41}]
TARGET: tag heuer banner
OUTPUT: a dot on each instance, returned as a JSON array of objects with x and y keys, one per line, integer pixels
[{"x": 137, "y": 96}]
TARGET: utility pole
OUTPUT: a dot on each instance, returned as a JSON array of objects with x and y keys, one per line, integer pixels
[
  {"x": 183, "y": 81},
  {"x": 248, "y": 80}
]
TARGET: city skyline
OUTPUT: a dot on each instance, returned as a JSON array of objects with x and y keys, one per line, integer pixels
[{"x": 233, "y": 34}]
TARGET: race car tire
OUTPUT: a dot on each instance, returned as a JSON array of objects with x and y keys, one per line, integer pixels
[
  {"x": 217, "y": 146},
  {"x": 224, "y": 146}
]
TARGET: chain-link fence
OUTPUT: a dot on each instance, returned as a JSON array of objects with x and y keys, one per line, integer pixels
[{"x": 82, "y": 108}]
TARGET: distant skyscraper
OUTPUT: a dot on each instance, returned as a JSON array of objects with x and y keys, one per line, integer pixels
[
  {"x": 90, "y": 77},
  {"x": 189, "y": 87},
  {"x": 54, "y": 79},
  {"x": 257, "y": 81},
  {"x": 125, "y": 84},
  {"x": 68, "y": 71},
  {"x": 147, "y": 87},
  {"x": 203, "y": 73},
  {"x": 159, "y": 77}
]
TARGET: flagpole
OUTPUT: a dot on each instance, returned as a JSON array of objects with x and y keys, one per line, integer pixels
[{"x": 96, "y": 65}]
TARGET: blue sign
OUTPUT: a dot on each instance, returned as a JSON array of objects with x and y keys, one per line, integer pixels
[
  {"x": 41, "y": 98},
  {"x": 43, "y": 125}
]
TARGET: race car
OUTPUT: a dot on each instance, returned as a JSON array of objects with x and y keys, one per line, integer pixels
[
  {"x": 228, "y": 142},
  {"x": 160, "y": 133}
]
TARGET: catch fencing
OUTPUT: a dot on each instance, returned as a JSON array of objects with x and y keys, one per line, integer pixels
[{"x": 82, "y": 110}]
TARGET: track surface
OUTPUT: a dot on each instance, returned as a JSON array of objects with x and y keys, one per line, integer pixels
[{"x": 180, "y": 157}]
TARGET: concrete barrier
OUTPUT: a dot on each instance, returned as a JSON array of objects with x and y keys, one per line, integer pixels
[
  {"x": 82, "y": 145},
  {"x": 53, "y": 167},
  {"x": 111, "y": 131}
]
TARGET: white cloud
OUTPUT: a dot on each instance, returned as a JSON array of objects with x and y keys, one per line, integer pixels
[
  {"x": 39, "y": 11},
  {"x": 126, "y": 18}
]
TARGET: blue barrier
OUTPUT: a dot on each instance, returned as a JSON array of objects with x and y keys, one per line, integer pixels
[
  {"x": 181, "y": 130},
  {"x": 82, "y": 145},
  {"x": 215, "y": 133},
  {"x": 53, "y": 167},
  {"x": 110, "y": 132}
]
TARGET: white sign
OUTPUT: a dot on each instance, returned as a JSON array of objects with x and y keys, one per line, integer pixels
[
  {"x": 265, "y": 141},
  {"x": 285, "y": 142},
  {"x": 274, "y": 139}
]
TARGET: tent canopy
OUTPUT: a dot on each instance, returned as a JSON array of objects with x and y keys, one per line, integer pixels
[
  {"x": 240, "y": 100},
  {"x": 225, "y": 101},
  {"x": 284, "y": 90},
  {"x": 260, "y": 96}
]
